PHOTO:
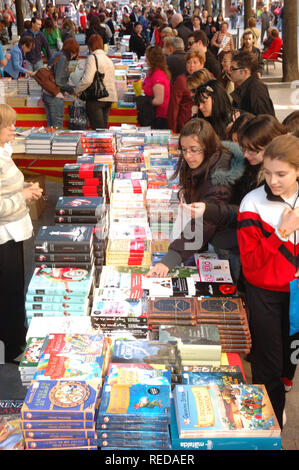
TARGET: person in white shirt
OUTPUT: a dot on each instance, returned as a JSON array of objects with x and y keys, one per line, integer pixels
[{"x": 15, "y": 227}]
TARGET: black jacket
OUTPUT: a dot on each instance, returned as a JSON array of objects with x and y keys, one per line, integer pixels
[
  {"x": 212, "y": 64},
  {"x": 138, "y": 44},
  {"x": 101, "y": 32},
  {"x": 258, "y": 54},
  {"x": 184, "y": 33},
  {"x": 253, "y": 97},
  {"x": 177, "y": 64},
  {"x": 218, "y": 189}
]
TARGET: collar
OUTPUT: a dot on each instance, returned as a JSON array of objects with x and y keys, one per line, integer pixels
[{"x": 272, "y": 197}]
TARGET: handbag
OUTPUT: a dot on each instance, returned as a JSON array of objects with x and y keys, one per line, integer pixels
[
  {"x": 294, "y": 307},
  {"x": 45, "y": 78},
  {"x": 97, "y": 89},
  {"x": 77, "y": 117}
]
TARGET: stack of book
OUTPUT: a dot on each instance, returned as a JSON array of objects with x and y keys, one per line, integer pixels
[
  {"x": 100, "y": 239},
  {"x": 72, "y": 357},
  {"x": 66, "y": 142},
  {"x": 80, "y": 210},
  {"x": 23, "y": 86},
  {"x": 64, "y": 246},
  {"x": 128, "y": 252},
  {"x": 34, "y": 88},
  {"x": 30, "y": 358},
  {"x": 86, "y": 179},
  {"x": 60, "y": 415},
  {"x": 171, "y": 311},
  {"x": 59, "y": 292},
  {"x": 39, "y": 142},
  {"x": 98, "y": 143},
  {"x": 162, "y": 208},
  {"x": 156, "y": 157},
  {"x": 234, "y": 416},
  {"x": 198, "y": 345}
]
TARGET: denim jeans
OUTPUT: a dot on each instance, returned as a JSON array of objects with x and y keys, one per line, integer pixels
[
  {"x": 33, "y": 67},
  {"x": 54, "y": 110}
]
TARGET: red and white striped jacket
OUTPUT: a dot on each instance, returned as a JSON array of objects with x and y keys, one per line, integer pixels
[{"x": 267, "y": 262}]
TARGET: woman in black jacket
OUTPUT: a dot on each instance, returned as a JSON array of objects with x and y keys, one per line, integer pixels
[
  {"x": 138, "y": 43},
  {"x": 95, "y": 27},
  {"x": 207, "y": 172}
]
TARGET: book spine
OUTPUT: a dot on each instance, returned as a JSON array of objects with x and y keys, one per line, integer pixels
[
  {"x": 58, "y": 443},
  {"x": 59, "y": 434}
]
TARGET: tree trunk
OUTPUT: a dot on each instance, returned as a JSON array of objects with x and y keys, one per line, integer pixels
[
  {"x": 19, "y": 16},
  {"x": 290, "y": 41},
  {"x": 208, "y": 6},
  {"x": 247, "y": 12}
]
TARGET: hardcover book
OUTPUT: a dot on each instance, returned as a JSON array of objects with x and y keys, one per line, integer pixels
[
  {"x": 63, "y": 281},
  {"x": 138, "y": 373},
  {"x": 64, "y": 239},
  {"x": 176, "y": 307},
  {"x": 237, "y": 410}
]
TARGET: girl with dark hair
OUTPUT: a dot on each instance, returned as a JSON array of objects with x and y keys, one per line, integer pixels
[
  {"x": 207, "y": 173},
  {"x": 98, "y": 110},
  {"x": 68, "y": 30},
  {"x": 55, "y": 104},
  {"x": 214, "y": 106},
  {"x": 268, "y": 236},
  {"x": 157, "y": 85},
  {"x": 137, "y": 42},
  {"x": 95, "y": 27}
]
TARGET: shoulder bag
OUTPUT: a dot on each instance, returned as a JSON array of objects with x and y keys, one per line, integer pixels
[
  {"x": 45, "y": 78},
  {"x": 97, "y": 89}
]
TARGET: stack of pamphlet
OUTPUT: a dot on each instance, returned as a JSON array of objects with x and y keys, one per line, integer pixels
[
  {"x": 30, "y": 358},
  {"x": 225, "y": 416},
  {"x": 86, "y": 179},
  {"x": 198, "y": 345},
  {"x": 66, "y": 142},
  {"x": 39, "y": 142},
  {"x": 60, "y": 414},
  {"x": 58, "y": 292},
  {"x": 65, "y": 245},
  {"x": 80, "y": 210}
]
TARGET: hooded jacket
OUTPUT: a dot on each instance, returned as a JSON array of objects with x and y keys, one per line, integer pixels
[{"x": 217, "y": 188}]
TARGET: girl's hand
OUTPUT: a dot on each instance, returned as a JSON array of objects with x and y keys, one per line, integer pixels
[{"x": 159, "y": 270}]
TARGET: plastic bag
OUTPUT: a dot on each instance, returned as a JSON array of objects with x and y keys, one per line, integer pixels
[
  {"x": 294, "y": 307},
  {"x": 77, "y": 116}
]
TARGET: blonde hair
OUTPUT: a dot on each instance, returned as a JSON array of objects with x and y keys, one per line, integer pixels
[
  {"x": 8, "y": 116},
  {"x": 284, "y": 148},
  {"x": 195, "y": 53},
  {"x": 198, "y": 78},
  {"x": 168, "y": 32}
]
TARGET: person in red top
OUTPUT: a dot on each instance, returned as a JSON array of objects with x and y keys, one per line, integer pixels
[
  {"x": 275, "y": 46},
  {"x": 157, "y": 85},
  {"x": 181, "y": 102},
  {"x": 268, "y": 237}
]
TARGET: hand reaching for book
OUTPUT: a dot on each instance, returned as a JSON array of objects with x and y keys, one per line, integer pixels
[
  {"x": 195, "y": 210},
  {"x": 159, "y": 270}
]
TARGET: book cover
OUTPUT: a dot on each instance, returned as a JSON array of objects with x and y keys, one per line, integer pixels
[
  {"x": 137, "y": 373},
  {"x": 62, "y": 281},
  {"x": 215, "y": 289},
  {"x": 191, "y": 338},
  {"x": 135, "y": 444},
  {"x": 155, "y": 352},
  {"x": 10, "y": 407},
  {"x": 135, "y": 403},
  {"x": 11, "y": 437},
  {"x": 63, "y": 238},
  {"x": 54, "y": 425},
  {"x": 222, "y": 379},
  {"x": 214, "y": 270},
  {"x": 47, "y": 434},
  {"x": 175, "y": 307},
  {"x": 32, "y": 353},
  {"x": 32, "y": 444},
  {"x": 61, "y": 400},
  {"x": 237, "y": 410}
]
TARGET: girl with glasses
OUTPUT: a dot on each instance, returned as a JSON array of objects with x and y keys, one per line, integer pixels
[{"x": 207, "y": 173}]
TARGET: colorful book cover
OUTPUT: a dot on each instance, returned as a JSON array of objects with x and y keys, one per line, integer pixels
[
  {"x": 60, "y": 399},
  {"x": 222, "y": 379},
  {"x": 58, "y": 443},
  {"x": 144, "y": 352},
  {"x": 192, "y": 337},
  {"x": 10, "y": 407},
  {"x": 60, "y": 281},
  {"x": 135, "y": 403},
  {"x": 137, "y": 373},
  {"x": 32, "y": 353},
  {"x": 11, "y": 437},
  {"x": 237, "y": 410},
  {"x": 122, "y": 308}
]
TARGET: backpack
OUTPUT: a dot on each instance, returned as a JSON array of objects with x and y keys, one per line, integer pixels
[{"x": 45, "y": 78}]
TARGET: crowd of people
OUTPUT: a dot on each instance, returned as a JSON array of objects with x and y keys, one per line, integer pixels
[{"x": 239, "y": 166}]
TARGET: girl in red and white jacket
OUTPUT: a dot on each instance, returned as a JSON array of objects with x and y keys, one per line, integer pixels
[{"x": 268, "y": 236}]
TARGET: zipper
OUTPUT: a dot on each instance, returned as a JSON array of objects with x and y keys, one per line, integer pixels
[{"x": 295, "y": 233}]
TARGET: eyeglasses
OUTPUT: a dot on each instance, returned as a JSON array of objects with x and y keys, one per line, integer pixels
[
  {"x": 192, "y": 151},
  {"x": 232, "y": 69},
  {"x": 190, "y": 43},
  {"x": 250, "y": 152}
]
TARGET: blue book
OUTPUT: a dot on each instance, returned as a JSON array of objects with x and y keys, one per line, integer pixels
[
  {"x": 36, "y": 444},
  {"x": 60, "y": 400},
  {"x": 33, "y": 425},
  {"x": 61, "y": 281},
  {"x": 136, "y": 444},
  {"x": 242, "y": 410},
  {"x": 59, "y": 434},
  {"x": 219, "y": 443},
  {"x": 135, "y": 403}
]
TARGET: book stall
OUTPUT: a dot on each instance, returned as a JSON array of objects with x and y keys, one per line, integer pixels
[{"x": 115, "y": 359}]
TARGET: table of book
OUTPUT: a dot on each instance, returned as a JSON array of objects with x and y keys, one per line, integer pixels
[{"x": 116, "y": 359}]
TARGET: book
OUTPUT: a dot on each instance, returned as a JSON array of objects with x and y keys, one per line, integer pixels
[
  {"x": 55, "y": 425},
  {"x": 239, "y": 410},
  {"x": 138, "y": 373},
  {"x": 135, "y": 403},
  {"x": 11, "y": 437},
  {"x": 222, "y": 378},
  {"x": 63, "y": 281},
  {"x": 32, "y": 444},
  {"x": 152, "y": 352},
  {"x": 214, "y": 270},
  {"x": 46, "y": 325},
  {"x": 174, "y": 308},
  {"x": 10, "y": 407},
  {"x": 63, "y": 239},
  {"x": 215, "y": 289},
  {"x": 60, "y": 400}
]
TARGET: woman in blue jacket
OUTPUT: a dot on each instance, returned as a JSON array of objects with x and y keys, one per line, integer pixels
[{"x": 16, "y": 65}]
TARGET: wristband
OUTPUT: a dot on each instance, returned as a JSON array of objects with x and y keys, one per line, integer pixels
[{"x": 282, "y": 234}]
